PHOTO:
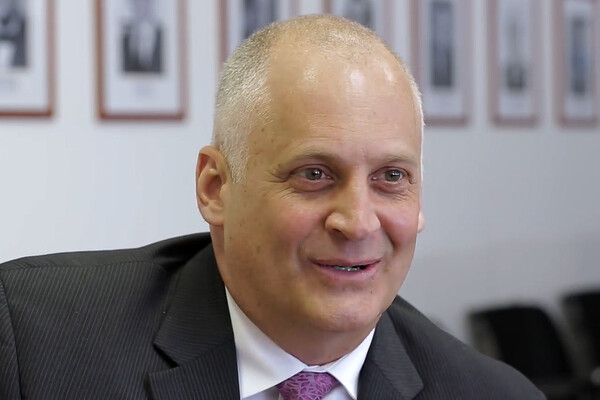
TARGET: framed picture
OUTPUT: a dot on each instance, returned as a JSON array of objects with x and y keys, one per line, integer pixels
[
  {"x": 374, "y": 14},
  {"x": 141, "y": 58},
  {"x": 26, "y": 58},
  {"x": 513, "y": 45},
  {"x": 241, "y": 18},
  {"x": 440, "y": 58},
  {"x": 576, "y": 57}
]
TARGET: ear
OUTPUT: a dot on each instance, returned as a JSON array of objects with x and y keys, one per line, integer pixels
[
  {"x": 211, "y": 176},
  {"x": 421, "y": 222}
]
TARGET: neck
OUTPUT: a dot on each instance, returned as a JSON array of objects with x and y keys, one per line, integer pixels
[{"x": 313, "y": 346}]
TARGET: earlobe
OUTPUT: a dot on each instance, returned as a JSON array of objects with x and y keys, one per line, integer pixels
[
  {"x": 421, "y": 222},
  {"x": 211, "y": 175}
]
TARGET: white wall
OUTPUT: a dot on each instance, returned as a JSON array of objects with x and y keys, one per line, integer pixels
[{"x": 512, "y": 214}]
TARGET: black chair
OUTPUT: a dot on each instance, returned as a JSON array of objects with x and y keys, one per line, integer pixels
[
  {"x": 583, "y": 314},
  {"x": 526, "y": 338}
]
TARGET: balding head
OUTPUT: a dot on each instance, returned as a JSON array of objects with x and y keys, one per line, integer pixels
[{"x": 243, "y": 98}]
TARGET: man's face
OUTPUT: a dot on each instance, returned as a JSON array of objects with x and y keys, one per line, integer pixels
[
  {"x": 6, "y": 6},
  {"x": 142, "y": 9},
  {"x": 321, "y": 231}
]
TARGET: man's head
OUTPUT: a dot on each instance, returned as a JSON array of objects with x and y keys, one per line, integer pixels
[
  {"x": 143, "y": 10},
  {"x": 312, "y": 187},
  {"x": 8, "y": 6},
  {"x": 242, "y": 96}
]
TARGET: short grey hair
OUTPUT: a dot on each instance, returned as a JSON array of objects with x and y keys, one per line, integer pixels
[{"x": 242, "y": 97}]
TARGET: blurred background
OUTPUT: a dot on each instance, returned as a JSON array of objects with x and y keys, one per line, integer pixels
[{"x": 512, "y": 210}]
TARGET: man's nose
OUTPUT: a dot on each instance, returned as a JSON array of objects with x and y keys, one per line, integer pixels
[{"x": 353, "y": 213}]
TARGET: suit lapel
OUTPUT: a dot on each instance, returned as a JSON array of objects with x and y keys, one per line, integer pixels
[
  {"x": 197, "y": 337},
  {"x": 388, "y": 372}
]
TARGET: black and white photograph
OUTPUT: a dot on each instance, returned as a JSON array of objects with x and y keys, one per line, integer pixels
[
  {"x": 142, "y": 38},
  {"x": 26, "y": 58},
  {"x": 141, "y": 59},
  {"x": 577, "y": 94},
  {"x": 440, "y": 58},
  {"x": 361, "y": 11},
  {"x": 579, "y": 57},
  {"x": 513, "y": 46},
  {"x": 258, "y": 13},
  {"x": 13, "y": 33},
  {"x": 374, "y": 14},
  {"x": 442, "y": 47},
  {"x": 241, "y": 18},
  {"x": 370, "y": 13}
]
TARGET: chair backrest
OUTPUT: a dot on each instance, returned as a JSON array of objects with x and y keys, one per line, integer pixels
[
  {"x": 524, "y": 337},
  {"x": 583, "y": 313}
]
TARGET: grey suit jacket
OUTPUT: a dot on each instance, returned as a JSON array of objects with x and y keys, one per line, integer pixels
[{"x": 153, "y": 323}]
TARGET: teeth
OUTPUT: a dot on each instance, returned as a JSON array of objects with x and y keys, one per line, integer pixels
[{"x": 348, "y": 269}]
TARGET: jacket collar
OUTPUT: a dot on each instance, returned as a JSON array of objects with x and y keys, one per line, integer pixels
[
  {"x": 197, "y": 337},
  {"x": 388, "y": 372}
]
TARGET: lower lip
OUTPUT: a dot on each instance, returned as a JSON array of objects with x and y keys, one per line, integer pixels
[{"x": 359, "y": 275}]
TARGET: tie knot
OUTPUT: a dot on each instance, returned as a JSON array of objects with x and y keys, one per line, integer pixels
[{"x": 307, "y": 386}]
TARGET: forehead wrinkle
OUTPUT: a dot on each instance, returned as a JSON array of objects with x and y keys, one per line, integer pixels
[
  {"x": 392, "y": 128},
  {"x": 333, "y": 107},
  {"x": 323, "y": 124}
]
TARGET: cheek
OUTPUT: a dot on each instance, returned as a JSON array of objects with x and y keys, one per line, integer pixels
[
  {"x": 267, "y": 232},
  {"x": 401, "y": 227},
  {"x": 290, "y": 222},
  {"x": 402, "y": 232}
]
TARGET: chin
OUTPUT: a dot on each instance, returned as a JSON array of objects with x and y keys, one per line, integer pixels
[{"x": 348, "y": 319}]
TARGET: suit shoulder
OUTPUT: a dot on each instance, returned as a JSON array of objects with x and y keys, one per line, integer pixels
[
  {"x": 446, "y": 362},
  {"x": 168, "y": 254}
]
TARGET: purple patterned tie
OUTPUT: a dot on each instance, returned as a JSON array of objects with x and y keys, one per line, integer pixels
[{"x": 307, "y": 386}]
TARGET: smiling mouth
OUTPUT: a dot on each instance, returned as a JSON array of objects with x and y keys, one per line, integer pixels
[{"x": 346, "y": 268}]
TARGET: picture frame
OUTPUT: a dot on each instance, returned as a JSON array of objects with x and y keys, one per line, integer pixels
[
  {"x": 513, "y": 59},
  {"x": 141, "y": 56},
  {"x": 374, "y": 14},
  {"x": 576, "y": 62},
  {"x": 27, "y": 58},
  {"x": 440, "y": 58},
  {"x": 240, "y": 18}
]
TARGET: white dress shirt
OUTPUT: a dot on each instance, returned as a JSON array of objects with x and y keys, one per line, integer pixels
[{"x": 262, "y": 364}]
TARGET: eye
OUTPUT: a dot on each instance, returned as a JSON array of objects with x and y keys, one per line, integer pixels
[
  {"x": 389, "y": 175},
  {"x": 393, "y": 175},
  {"x": 312, "y": 174},
  {"x": 311, "y": 179}
]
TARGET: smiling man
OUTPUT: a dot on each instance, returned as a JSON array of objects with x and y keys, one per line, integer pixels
[
  {"x": 319, "y": 229},
  {"x": 312, "y": 190}
]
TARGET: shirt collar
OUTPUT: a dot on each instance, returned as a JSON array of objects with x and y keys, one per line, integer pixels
[{"x": 262, "y": 364}]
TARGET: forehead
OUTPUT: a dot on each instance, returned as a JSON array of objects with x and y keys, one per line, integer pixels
[{"x": 323, "y": 97}]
